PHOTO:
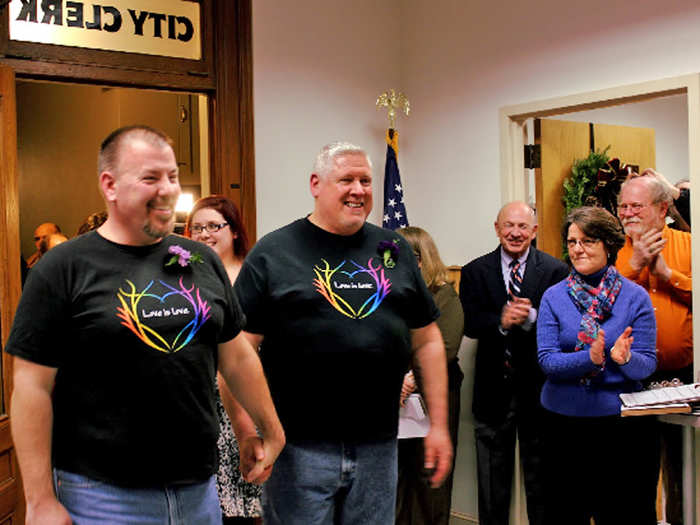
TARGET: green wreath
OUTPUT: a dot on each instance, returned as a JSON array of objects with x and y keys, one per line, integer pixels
[{"x": 583, "y": 180}]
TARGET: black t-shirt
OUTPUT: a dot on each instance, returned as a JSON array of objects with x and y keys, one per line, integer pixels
[
  {"x": 135, "y": 345},
  {"x": 336, "y": 324}
]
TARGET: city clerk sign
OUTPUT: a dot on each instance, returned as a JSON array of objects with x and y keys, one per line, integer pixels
[{"x": 154, "y": 27}]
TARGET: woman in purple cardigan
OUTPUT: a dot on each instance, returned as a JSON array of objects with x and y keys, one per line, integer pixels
[{"x": 596, "y": 337}]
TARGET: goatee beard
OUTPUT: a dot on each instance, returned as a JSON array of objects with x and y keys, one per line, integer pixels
[{"x": 158, "y": 233}]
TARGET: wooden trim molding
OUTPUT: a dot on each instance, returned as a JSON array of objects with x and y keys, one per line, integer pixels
[
  {"x": 11, "y": 505},
  {"x": 10, "y": 280},
  {"x": 231, "y": 137}
]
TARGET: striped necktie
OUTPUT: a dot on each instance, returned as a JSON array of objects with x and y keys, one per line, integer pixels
[{"x": 515, "y": 281}]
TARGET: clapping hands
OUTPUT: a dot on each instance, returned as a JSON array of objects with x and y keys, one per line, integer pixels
[{"x": 621, "y": 352}]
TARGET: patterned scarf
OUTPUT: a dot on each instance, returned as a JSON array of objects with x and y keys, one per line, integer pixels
[{"x": 595, "y": 303}]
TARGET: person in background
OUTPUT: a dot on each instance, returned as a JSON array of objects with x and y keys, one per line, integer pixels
[
  {"x": 216, "y": 222},
  {"x": 501, "y": 293},
  {"x": 679, "y": 208},
  {"x": 682, "y": 205},
  {"x": 596, "y": 339},
  {"x": 40, "y": 234},
  {"x": 92, "y": 222},
  {"x": 23, "y": 269},
  {"x": 338, "y": 307},
  {"x": 658, "y": 258},
  {"x": 116, "y": 342},
  {"x": 416, "y": 502},
  {"x": 54, "y": 240}
]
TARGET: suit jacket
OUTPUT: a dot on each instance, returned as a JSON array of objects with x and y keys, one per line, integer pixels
[{"x": 483, "y": 295}]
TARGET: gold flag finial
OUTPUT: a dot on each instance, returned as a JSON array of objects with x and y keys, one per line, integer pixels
[{"x": 392, "y": 100}]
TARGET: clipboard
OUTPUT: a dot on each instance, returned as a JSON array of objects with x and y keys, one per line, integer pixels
[{"x": 413, "y": 418}]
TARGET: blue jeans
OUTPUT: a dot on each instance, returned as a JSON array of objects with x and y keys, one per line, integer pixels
[
  {"x": 92, "y": 502},
  {"x": 330, "y": 482}
]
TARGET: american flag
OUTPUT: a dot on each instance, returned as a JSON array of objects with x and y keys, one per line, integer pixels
[{"x": 394, "y": 208}]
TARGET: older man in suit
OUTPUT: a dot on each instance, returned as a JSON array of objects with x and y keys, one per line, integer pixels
[{"x": 500, "y": 293}]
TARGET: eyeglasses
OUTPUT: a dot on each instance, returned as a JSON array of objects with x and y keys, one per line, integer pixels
[
  {"x": 210, "y": 227},
  {"x": 585, "y": 243},
  {"x": 634, "y": 208}
]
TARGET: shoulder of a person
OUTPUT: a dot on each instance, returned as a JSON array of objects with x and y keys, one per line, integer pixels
[
  {"x": 550, "y": 260},
  {"x": 374, "y": 233},
  {"x": 481, "y": 260},
  {"x": 633, "y": 289},
  {"x": 678, "y": 235},
  {"x": 557, "y": 289},
  {"x": 280, "y": 233},
  {"x": 68, "y": 258},
  {"x": 186, "y": 242},
  {"x": 67, "y": 251},
  {"x": 446, "y": 292},
  {"x": 270, "y": 244}
]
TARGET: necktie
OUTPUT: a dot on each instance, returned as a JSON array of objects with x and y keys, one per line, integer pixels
[{"x": 515, "y": 281}]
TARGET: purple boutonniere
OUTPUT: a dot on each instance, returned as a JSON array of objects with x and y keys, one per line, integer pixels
[
  {"x": 182, "y": 256},
  {"x": 389, "y": 251}
]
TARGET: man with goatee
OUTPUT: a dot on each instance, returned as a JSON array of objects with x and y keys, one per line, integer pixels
[{"x": 117, "y": 340}]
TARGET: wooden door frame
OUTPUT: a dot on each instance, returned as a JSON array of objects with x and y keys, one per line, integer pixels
[
  {"x": 514, "y": 183},
  {"x": 10, "y": 286}
]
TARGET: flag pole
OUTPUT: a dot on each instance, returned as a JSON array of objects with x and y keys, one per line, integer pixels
[
  {"x": 394, "y": 207},
  {"x": 393, "y": 101}
]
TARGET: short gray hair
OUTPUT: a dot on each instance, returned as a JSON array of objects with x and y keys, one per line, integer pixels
[
  {"x": 657, "y": 191},
  {"x": 325, "y": 159}
]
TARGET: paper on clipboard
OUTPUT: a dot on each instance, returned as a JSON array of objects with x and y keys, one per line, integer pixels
[{"x": 413, "y": 419}]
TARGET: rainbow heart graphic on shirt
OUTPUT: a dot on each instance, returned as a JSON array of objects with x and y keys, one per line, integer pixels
[
  {"x": 189, "y": 309},
  {"x": 352, "y": 289}
]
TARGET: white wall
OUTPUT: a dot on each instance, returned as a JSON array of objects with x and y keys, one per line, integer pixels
[
  {"x": 318, "y": 68},
  {"x": 463, "y": 60}
]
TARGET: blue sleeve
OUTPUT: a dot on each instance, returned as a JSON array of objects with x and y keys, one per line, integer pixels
[
  {"x": 643, "y": 360},
  {"x": 555, "y": 363}
]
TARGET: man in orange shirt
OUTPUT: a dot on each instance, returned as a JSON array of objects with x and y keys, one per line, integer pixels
[{"x": 658, "y": 258}]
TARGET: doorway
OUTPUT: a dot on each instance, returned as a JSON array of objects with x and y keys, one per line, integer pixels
[
  {"x": 59, "y": 129},
  {"x": 50, "y": 137}
]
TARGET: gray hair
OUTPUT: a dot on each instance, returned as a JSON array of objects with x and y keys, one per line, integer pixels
[
  {"x": 325, "y": 159},
  {"x": 657, "y": 191}
]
